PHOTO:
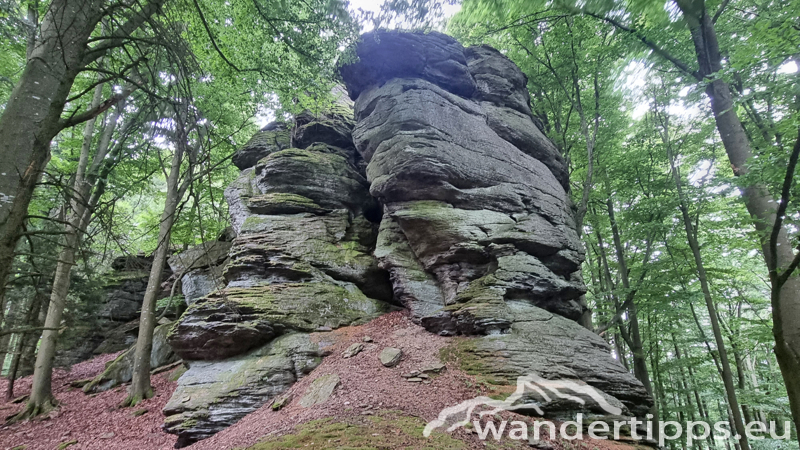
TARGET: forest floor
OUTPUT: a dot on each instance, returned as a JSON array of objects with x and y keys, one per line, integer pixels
[
  {"x": 372, "y": 407},
  {"x": 91, "y": 422}
]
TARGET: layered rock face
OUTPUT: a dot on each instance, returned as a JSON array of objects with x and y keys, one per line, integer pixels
[
  {"x": 439, "y": 194},
  {"x": 200, "y": 267},
  {"x": 114, "y": 326},
  {"x": 475, "y": 211},
  {"x": 301, "y": 262},
  {"x": 477, "y": 231}
]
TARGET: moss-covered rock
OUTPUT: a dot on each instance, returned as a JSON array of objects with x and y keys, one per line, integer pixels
[
  {"x": 239, "y": 319},
  {"x": 283, "y": 203},
  {"x": 120, "y": 370},
  {"x": 272, "y": 138},
  {"x": 212, "y": 395},
  {"x": 553, "y": 347},
  {"x": 320, "y": 390},
  {"x": 328, "y": 179}
]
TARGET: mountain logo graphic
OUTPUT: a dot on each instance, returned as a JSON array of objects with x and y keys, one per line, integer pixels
[{"x": 547, "y": 389}]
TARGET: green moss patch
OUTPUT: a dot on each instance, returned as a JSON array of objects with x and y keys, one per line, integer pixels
[
  {"x": 387, "y": 429},
  {"x": 283, "y": 203}
]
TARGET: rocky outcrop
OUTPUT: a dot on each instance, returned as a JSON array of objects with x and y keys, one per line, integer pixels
[
  {"x": 200, "y": 267},
  {"x": 306, "y": 226},
  {"x": 473, "y": 194},
  {"x": 440, "y": 194},
  {"x": 212, "y": 395},
  {"x": 114, "y": 324},
  {"x": 477, "y": 232},
  {"x": 120, "y": 370}
]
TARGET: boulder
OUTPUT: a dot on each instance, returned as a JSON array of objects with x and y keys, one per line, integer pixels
[
  {"x": 200, "y": 268},
  {"x": 472, "y": 217},
  {"x": 555, "y": 348},
  {"x": 212, "y": 395},
  {"x": 320, "y": 390},
  {"x": 112, "y": 325},
  {"x": 390, "y": 356},
  {"x": 120, "y": 370}
]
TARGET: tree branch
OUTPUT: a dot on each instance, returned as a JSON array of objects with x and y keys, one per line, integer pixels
[
  {"x": 720, "y": 11},
  {"x": 784, "y": 203},
  {"x": 94, "y": 112},
  {"x": 650, "y": 44}
]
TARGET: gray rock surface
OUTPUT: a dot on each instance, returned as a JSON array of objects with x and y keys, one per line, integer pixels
[
  {"x": 475, "y": 211},
  {"x": 212, "y": 395},
  {"x": 320, "y": 390},
  {"x": 120, "y": 370},
  {"x": 306, "y": 227},
  {"x": 478, "y": 232},
  {"x": 272, "y": 138},
  {"x": 200, "y": 268},
  {"x": 353, "y": 350},
  {"x": 390, "y": 356},
  {"x": 113, "y": 325},
  {"x": 546, "y": 344}
]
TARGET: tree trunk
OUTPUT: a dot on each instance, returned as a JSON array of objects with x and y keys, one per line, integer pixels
[
  {"x": 33, "y": 112},
  {"x": 141, "y": 388},
  {"x": 727, "y": 374},
  {"x": 28, "y": 357},
  {"x": 41, "y": 399},
  {"x": 6, "y": 342},
  {"x": 634, "y": 338},
  {"x": 32, "y": 116},
  {"x": 760, "y": 205},
  {"x": 31, "y": 311}
]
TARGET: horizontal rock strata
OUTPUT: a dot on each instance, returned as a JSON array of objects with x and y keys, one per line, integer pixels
[
  {"x": 306, "y": 227},
  {"x": 477, "y": 232}
]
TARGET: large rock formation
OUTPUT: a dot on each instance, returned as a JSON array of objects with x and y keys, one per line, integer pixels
[
  {"x": 301, "y": 262},
  {"x": 478, "y": 231},
  {"x": 470, "y": 187},
  {"x": 440, "y": 195}
]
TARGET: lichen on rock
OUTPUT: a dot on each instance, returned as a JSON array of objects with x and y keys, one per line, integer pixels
[{"x": 433, "y": 189}]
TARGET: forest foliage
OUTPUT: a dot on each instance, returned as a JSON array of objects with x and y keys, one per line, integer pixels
[{"x": 615, "y": 84}]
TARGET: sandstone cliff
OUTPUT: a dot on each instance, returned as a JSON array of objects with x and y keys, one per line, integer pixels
[{"x": 435, "y": 193}]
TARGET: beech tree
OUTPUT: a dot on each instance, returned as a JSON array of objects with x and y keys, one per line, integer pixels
[
  {"x": 683, "y": 35},
  {"x": 66, "y": 43}
]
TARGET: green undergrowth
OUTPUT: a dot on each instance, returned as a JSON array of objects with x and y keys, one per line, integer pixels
[{"x": 385, "y": 430}]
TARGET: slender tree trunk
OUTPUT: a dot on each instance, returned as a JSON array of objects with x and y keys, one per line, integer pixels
[
  {"x": 31, "y": 311},
  {"x": 635, "y": 338},
  {"x": 28, "y": 361},
  {"x": 6, "y": 342},
  {"x": 684, "y": 385},
  {"x": 41, "y": 399},
  {"x": 727, "y": 374},
  {"x": 140, "y": 387}
]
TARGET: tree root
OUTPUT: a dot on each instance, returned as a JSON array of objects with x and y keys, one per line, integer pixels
[
  {"x": 32, "y": 410},
  {"x": 133, "y": 400}
]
